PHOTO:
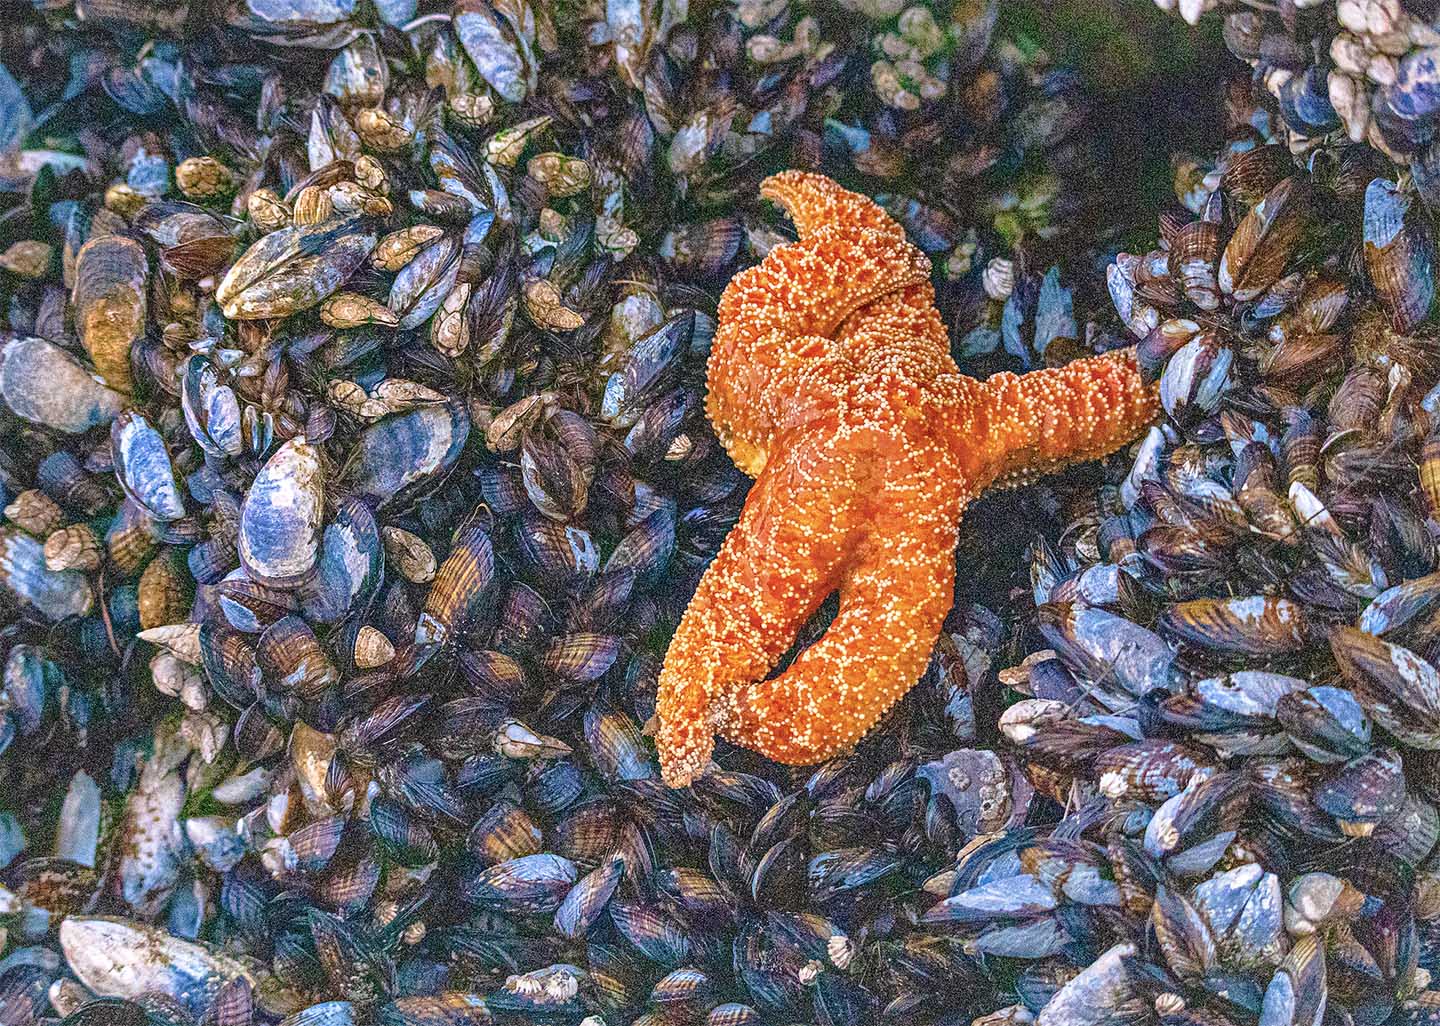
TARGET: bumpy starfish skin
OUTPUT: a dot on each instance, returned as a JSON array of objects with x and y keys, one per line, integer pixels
[{"x": 831, "y": 382}]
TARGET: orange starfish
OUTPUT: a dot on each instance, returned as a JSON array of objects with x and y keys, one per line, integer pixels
[{"x": 831, "y": 383}]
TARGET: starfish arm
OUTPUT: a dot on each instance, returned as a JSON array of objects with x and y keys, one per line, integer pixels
[
  {"x": 775, "y": 568},
  {"x": 906, "y": 317},
  {"x": 780, "y": 314},
  {"x": 893, "y": 602},
  {"x": 1038, "y": 422},
  {"x": 815, "y": 202}
]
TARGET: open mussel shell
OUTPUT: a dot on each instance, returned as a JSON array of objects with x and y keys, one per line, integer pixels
[
  {"x": 194, "y": 243},
  {"x": 280, "y": 521},
  {"x": 1161, "y": 343},
  {"x": 1265, "y": 239},
  {"x": 143, "y": 467},
  {"x": 45, "y": 385},
  {"x": 406, "y": 448},
  {"x": 351, "y": 565},
  {"x": 1243, "y": 909},
  {"x": 212, "y": 412},
  {"x": 1195, "y": 378}
]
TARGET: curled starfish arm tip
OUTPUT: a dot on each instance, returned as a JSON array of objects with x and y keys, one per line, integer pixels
[
  {"x": 814, "y": 202},
  {"x": 893, "y": 601},
  {"x": 772, "y": 572},
  {"x": 816, "y": 531},
  {"x": 780, "y": 317}
]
